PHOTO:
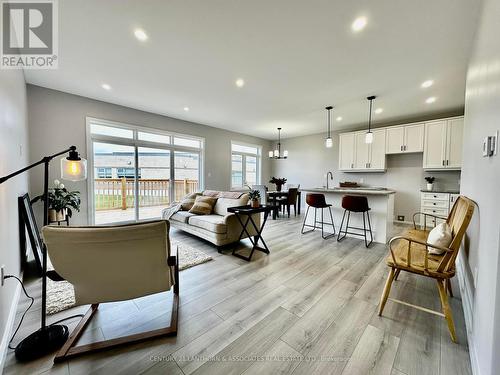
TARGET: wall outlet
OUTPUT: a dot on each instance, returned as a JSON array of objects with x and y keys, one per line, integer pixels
[
  {"x": 401, "y": 218},
  {"x": 2, "y": 274}
]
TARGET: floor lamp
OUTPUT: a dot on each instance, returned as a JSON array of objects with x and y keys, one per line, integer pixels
[{"x": 49, "y": 337}]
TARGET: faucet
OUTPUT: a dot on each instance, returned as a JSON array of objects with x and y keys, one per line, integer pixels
[{"x": 331, "y": 177}]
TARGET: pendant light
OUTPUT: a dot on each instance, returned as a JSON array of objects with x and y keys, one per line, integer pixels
[
  {"x": 328, "y": 140},
  {"x": 369, "y": 134},
  {"x": 276, "y": 154}
]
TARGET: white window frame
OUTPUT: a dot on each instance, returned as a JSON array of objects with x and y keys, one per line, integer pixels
[
  {"x": 243, "y": 169},
  {"x": 136, "y": 143}
]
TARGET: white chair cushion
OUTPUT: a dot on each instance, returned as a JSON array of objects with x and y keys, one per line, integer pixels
[{"x": 439, "y": 236}]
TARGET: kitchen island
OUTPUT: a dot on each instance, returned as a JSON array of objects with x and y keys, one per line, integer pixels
[{"x": 381, "y": 202}]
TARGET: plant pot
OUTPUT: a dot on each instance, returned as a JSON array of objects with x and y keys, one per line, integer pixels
[
  {"x": 255, "y": 203},
  {"x": 430, "y": 187},
  {"x": 278, "y": 187},
  {"x": 57, "y": 215}
]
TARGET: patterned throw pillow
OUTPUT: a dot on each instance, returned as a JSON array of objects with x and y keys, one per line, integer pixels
[
  {"x": 203, "y": 205},
  {"x": 188, "y": 201}
]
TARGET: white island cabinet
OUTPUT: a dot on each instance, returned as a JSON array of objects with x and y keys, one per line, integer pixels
[{"x": 381, "y": 203}]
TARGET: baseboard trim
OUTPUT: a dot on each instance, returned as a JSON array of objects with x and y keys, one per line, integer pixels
[
  {"x": 8, "y": 326},
  {"x": 467, "y": 305}
]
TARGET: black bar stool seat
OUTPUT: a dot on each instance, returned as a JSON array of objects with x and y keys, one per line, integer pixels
[
  {"x": 317, "y": 201},
  {"x": 357, "y": 204}
]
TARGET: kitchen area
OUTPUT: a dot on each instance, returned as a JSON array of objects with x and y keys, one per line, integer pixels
[{"x": 390, "y": 171}]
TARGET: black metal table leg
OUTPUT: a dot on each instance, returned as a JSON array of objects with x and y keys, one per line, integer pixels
[{"x": 254, "y": 240}]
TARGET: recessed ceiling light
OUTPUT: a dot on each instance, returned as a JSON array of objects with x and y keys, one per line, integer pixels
[
  {"x": 240, "y": 82},
  {"x": 140, "y": 34},
  {"x": 427, "y": 83},
  {"x": 379, "y": 111},
  {"x": 359, "y": 24},
  {"x": 339, "y": 118},
  {"x": 105, "y": 86},
  {"x": 186, "y": 109},
  {"x": 430, "y": 100}
]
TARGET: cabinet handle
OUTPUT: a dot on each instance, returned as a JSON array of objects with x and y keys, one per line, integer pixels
[
  {"x": 352, "y": 165},
  {"x": 447, "y": 162},
  {"x": 401, "y": 148},
  {"x": 443, "y": 163}
]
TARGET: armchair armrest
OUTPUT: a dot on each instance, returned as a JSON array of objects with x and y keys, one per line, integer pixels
[
  {"x": 410, "y": 241},
  {"x": 425, "y": 215},
  {"x": 228, "y": 217}
]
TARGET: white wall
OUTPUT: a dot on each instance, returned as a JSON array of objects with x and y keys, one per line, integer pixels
[
  {"x": 480, "y": 182},
  {"x": 309, "y": 161},
  {"x": 13, "y": 156},
  {"x": 57, "y": 120}
]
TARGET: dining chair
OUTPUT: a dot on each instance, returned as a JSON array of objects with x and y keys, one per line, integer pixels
[{"x": 290, "y": 200}]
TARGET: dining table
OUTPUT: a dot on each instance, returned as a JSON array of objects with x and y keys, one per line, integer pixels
[{"x": 273, "y": 194}]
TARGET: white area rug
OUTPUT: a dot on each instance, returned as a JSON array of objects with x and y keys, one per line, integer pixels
[{"x": 61, "y": 296}]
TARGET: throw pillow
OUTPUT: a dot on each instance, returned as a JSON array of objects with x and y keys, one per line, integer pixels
[
  {"x": 439, "y": 236},
  {"x": 188, "y": 201},
  {"x": 203, "y": 205}
]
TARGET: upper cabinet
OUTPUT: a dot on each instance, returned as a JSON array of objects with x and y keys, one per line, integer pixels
[
  {"x": 439, "y": 140},
  {"x": 355, "y": 155},
  {"x": 346, "y": 151},
  {"x": 405, "y": 139},
  {"x": 443, "y": 144}
]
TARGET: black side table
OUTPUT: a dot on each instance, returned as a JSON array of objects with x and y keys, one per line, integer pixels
[{"x": 247, "y": 211}]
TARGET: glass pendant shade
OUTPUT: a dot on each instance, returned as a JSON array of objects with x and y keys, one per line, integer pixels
[
  {"x": 369, "y": 137},
  {"x": 271, "y": 154},
  {"x": 276, "y": 153},
  {"x": 285, "y": 153},
  {"x": 329, "y": 142},
  {"x": 73, "y": 170}
]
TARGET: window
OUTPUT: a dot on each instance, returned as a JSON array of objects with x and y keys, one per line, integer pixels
[
  {"x": 245, "y": 165},
  {"x": 137, "y": 172},
  {"x": 103, "y": 173},
  {"x": 128, "y": 172}
]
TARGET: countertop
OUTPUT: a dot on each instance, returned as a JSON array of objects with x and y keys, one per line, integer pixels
[
  {"x": 447, "y": 191},
  {"x": 363, "y": 191}
]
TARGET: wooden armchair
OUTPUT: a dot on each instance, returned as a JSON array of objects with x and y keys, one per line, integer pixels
[
  {"x": 410, "y": 253},
  {"x": 116, "y": 263}
]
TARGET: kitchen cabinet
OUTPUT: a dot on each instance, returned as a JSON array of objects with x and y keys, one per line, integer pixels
[
  {"x": 365, "y": 157},
  {"x": 346, "y": 151},
  {"x": 405, "y": 139},
  {"x": 443, "y": 144},
  {"x": 438, "y": 204}
]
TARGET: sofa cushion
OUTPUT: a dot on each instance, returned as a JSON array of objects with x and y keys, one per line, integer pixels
[
  {"x": 181, "y": 216},
  {"x": 188, "y": 201},
  {"x": 212, "y": 223},
  {"x": 203, "y": 205},
  {"x": 224, "y": 203}
]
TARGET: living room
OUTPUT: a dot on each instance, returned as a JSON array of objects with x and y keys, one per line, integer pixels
[{"x": 293, "y": 157}]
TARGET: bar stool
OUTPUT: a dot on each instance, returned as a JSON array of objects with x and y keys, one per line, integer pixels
[
  {"x": 317, "y": 201},
  {"x": 355, "y": 203}
]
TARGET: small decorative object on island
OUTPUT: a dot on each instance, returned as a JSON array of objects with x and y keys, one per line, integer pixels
[
  {"x": 61, "y": 201},
  {"x": 254, "y": 196},
  {"x": 279, "y": 182},
  {"x": 430, "y": 182}
]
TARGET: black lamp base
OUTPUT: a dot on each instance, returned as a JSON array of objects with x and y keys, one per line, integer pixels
[{"x": 42, "y": 342}]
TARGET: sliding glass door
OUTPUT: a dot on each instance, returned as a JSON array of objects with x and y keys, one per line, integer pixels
[{"x": 136, "y": 173}]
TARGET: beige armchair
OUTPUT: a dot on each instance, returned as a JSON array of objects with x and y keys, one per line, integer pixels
[
  {"x": 116, "y": 263},
  {"x": 410, "y": 253}
]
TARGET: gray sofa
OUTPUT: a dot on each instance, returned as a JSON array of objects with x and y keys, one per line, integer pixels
[{"x": 220, "y": 227}]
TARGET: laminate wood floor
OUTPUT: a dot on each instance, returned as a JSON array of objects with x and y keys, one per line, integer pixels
[{"x": 307, "y": 308}]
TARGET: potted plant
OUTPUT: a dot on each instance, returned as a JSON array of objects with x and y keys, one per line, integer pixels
[
  {"x": 279, "y": 182},
  {"x": 61, "y": 201},
  {"x": 254, "y": 196},
  {"x": 430, "y": 182}
]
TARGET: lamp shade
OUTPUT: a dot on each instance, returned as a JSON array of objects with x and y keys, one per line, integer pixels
[
  {"x": 271, "y": 154},
  {"x": 329, "y": 142},
  {"x": 73, "y": 170},
  {"x": 285, "y": 153},
  {"x": 369, "y": 137}
]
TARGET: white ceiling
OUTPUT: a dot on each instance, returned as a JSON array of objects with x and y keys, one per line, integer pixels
[{"x": 295, "y": 56}]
